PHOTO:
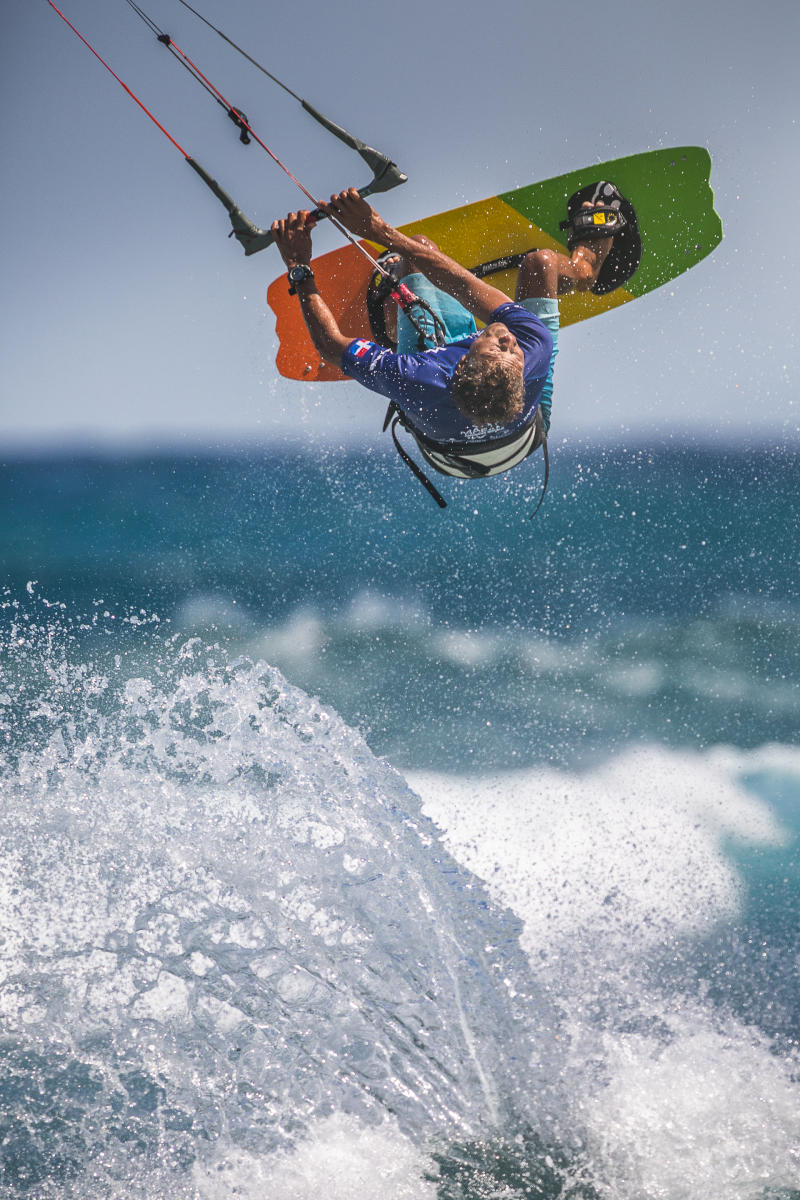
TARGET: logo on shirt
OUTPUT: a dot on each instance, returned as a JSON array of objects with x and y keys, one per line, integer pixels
[{"x": 361, "y": 347}]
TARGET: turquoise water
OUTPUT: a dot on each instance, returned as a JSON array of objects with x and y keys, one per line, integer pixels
[{"x": 351, "y": 847}]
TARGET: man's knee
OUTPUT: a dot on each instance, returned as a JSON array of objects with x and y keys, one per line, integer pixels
[
  {"x": 538, "y": 274},
  {"x": 540, "y": 260}
]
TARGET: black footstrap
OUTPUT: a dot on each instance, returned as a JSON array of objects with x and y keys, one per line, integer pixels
[
  {"x": 588, "y": 224},
  {"x": 379, "y": 289},
  {"x": 625, "y": 255}
]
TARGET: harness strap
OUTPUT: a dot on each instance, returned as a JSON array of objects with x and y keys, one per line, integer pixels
[
  {"x": 546, "y": 473},
  {"x": 408, "y": 460}
]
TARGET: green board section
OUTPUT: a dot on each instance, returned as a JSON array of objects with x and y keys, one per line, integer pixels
[{"x": 673, "y": 200}]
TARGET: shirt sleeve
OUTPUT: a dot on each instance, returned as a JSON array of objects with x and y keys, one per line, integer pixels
[
  {"x": 373, "y": 366},
  {"x": 532, "y": 335},
  {"x": 405, "y": 378}
]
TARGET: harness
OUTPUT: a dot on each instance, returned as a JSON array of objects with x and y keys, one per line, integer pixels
[{"x": 469, "y": 460}]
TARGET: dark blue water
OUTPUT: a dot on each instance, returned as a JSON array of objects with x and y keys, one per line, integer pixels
[
  {"x": 236, "y": 949},
  {"x": 655, "y": 595}
]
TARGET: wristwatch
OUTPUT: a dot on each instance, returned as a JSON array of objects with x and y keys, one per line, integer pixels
[{"x": 299, "y": 274}]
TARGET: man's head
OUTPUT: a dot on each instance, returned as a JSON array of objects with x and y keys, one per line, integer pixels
[{"x": 488, "y": 387}]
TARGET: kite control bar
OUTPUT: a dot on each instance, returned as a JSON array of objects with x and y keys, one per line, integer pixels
[
  {"x": 252, "y": 238},
  {"x": 386, "y": 174}
]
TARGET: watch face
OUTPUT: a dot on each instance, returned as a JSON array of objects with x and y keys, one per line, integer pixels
[{"x": 299, "y": 274}]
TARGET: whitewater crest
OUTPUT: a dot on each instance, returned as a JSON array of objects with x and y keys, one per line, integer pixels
[{"x": 224, "y": 920}]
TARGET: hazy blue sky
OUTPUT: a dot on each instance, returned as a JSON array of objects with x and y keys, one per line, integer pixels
[{"x": 127, "y": 315}]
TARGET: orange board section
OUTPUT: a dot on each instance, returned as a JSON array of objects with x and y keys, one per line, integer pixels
[{"x": 342, "y": 277}]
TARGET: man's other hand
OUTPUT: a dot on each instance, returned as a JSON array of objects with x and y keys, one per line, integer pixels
[
  {"x": 293, "y": 237},
  {"x": 355, "y": 214}
]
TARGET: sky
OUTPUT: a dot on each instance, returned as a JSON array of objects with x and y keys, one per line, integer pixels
[{"x": 130, "y": 321}]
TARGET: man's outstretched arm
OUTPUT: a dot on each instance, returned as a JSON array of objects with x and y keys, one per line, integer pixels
[
  {"x": 293, "y": 239},
  {"x": 477, "y": 296}
]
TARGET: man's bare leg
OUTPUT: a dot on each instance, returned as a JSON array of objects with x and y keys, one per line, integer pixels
[{"x": 550, "y": 273}]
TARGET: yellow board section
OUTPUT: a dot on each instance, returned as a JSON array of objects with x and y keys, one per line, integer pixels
[
  {"x": 577, "y": 306},
  {"x": 474, "y": 234},
  {"x": 479, "y": 232}
]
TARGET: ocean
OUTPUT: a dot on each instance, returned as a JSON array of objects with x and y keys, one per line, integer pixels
[{"x": 356, "y": 849}]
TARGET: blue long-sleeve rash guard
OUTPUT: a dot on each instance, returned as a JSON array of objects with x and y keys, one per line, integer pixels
[{"x": 420, "y": 384}]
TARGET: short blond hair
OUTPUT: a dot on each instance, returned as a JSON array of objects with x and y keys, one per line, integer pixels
[{"x": 488, "y": 392}]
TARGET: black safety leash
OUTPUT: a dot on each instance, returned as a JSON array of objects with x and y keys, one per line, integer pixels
[
  {"x": 393, "y": 418},
  {"x": 405, "y": 299},
  {"x": 546, "y": 475}
]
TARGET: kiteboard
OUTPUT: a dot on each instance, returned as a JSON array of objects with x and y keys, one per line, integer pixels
[{"x": 669, "y": 189}]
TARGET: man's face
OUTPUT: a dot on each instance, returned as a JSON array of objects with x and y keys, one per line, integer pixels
[{"x": 498, "y": 342}]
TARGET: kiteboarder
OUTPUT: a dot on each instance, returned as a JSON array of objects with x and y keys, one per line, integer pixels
[{"x": 480, "y": 403}]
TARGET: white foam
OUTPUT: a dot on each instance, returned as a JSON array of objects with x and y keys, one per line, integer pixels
[
  {"x": 203, "y": 611},
  {"x": 216, "y": 885},
  {"x": 635, "y": 849},
  {"x": 369, "y": 611},
  {"x": 612, "y": 870},
  {"x": 711, "y": 1113},
  {"x": 299, "y": 639},
  {"x": 339, "y": 1159},
  {"x": 466, "y": 648},
  {"x": 225, "y": 866},
  {"x": 167, "y": 1001},
  {"x": 774, "y": 756}
]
